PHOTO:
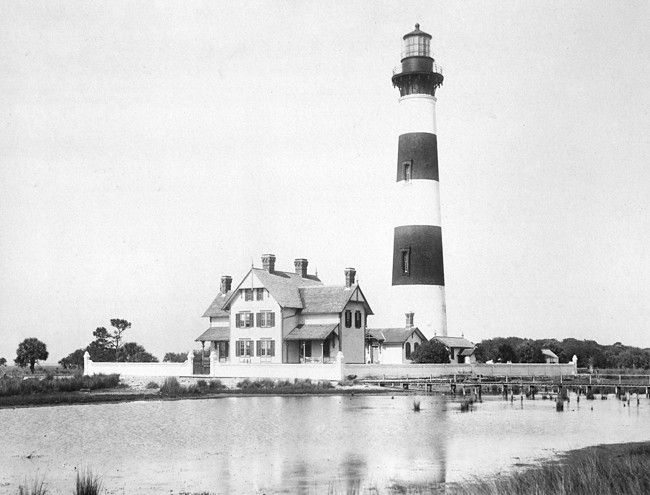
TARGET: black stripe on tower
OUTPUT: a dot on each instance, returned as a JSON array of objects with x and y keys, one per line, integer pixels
[
  {"x": 417, "y": 255},
  {"x": 420, "y": 151}
]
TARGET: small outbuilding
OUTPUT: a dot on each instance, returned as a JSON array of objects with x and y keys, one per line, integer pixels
[
  {"x": 550, "y": 357},
  {"x": 461, "y": 350}
]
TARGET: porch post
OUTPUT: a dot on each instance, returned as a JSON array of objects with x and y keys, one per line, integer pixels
[{"x": 322, "y": 352}]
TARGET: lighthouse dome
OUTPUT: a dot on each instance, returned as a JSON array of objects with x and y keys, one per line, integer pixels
[{"x": 416, "y": 44}]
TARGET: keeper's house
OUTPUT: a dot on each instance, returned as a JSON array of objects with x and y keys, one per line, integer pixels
[
  {"x": 287, "y": 317},
  {"x": 393, "y": 345}
]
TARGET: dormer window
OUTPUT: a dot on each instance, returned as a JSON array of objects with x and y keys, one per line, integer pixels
[
  {"x": 259, "y": 294},
  {"x": 248, "y": 294},
  {"x": 407, "y": 171}
]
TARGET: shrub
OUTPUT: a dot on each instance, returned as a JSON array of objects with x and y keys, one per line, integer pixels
[
  {"x": 152, "y": 385},
  {"x": 216, "y": 385},
  {"x": 201, "y": 383},
  {"x": 171, "y": 386}
]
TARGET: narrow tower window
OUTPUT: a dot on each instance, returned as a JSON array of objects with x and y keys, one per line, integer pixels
[
  {"x": 406, "y": 261},
  {"x": 407, "y": 168}
]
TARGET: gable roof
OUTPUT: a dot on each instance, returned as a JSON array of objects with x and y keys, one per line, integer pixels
[
  {"x": 311, "y": 332},
  {"x": 215, "y": 309},
  {"x": 455, "y": 342},
  {"x": 395, "y": 335},
  {"x": 283, "y": 286},
  {"x": 330, "y": 299},
  {"x": 214, "y": 334}
]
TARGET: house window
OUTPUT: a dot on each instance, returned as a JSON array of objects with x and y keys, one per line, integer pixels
[
  {"x": 266, "y": 319},
  {"x": 259, "y": 294},
  {"x": 348, "y": 318},
  {"x": 248, "y": 294},
  {"x": 406, "y": 261},
  {"x": 244, "y": 348},
  {"x": 357, "y": 319},
  {"x": 244, "y": 320},
  {"x": 415, "y": 347},
  {"x": 408, "y": 350},
  {"x": 407, "y": 171},
  {"x": 266, "y": 348}
]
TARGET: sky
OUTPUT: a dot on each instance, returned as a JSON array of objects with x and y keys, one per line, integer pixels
[{"x": 148, "y": 148}]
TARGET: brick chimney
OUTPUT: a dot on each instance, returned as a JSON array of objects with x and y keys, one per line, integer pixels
[
  {"x": 268, "y": 262},
  {"x": 350, "y": 274},
  {"x": 301, "y": 266},
  {"x": 409, "y": 320},
  {"x": 226, "y": 283}
]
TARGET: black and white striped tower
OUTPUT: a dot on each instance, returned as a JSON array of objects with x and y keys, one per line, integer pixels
[{"x": 418, "y": 274}]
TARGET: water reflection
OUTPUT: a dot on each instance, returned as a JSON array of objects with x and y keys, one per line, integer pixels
[{"x": 297, "y": 444}]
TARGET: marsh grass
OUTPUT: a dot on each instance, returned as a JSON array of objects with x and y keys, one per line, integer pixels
[
  {"x": 37, "y": 487},
  {"x": 603, "y": 470},
  {"x": 88, "y": 484},
  {"x": 51, "y": 385},
  {"x": 284, "y": 386}
]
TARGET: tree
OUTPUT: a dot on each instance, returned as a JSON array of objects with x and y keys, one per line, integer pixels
[
  {"x": 175, "y": 357},
  {"x": 134, "y": 353},
  {"x": 101, "y": 349},
  {"x": 529, "y": 352},
  {"x": 30, "y": 351},
  {"x": 432, "y": 351},
  {"x": 120, "y": 326},
  {"x": 3, "y": 361},
  {"x": 506, "y": 353},
  {"x": 73, "y": 360}
]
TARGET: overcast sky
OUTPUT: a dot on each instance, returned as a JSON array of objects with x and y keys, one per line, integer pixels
[{"x": 147, "y": 148}]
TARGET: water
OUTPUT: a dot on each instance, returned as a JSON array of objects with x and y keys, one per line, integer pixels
[{"x": 297, "y": 444}]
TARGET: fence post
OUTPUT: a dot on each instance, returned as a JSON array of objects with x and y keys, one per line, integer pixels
[
  {"x": 189, "y": 369},
  {"x": 87, "y": 363},
  {"x": 214, "y": 359}
]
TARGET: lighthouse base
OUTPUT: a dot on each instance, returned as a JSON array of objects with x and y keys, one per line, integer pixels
[{"x": 427, "y": 302}]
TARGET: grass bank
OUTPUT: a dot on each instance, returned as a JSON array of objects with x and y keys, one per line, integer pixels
[{"x": 599, "y": 470}]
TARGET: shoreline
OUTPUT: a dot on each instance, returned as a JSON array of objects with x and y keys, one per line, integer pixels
[{"x": 116, "y": 396}]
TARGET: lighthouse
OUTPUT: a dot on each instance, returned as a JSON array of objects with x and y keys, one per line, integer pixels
[{"x": 418, "y": 275}]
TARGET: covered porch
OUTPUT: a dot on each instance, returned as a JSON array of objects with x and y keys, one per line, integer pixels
[
  {"x": 312, "y": 344},
  {"x": 218, "y": 339}
]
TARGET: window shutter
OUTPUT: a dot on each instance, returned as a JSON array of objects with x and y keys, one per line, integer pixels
[
  {"x": 237, "y": 320},
  {"x": 272, "y": 352},
  {"x": 237, "y": 348},
  {"x": 259, "y": 346},
  {"x": 259, "y": 320}
]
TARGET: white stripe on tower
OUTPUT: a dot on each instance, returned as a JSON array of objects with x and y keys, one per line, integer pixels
[{"x": 418, "y": 273}]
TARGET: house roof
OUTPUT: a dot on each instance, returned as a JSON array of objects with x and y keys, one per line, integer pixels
[
  {"x": 283, "y": 286},
  {"x": 215, "y": 309},
  {"x": 374, "y": 334},
  {"x": 394, "y": 335},
  {"x": 330, "y": 299},
  {"x": 311, "y": 332},
  {"x": 467, "y": 352},
  {"x": 214, "y": 334},
  {"x": 549, "y": 353},
  {"x": 455, "y": 342}
]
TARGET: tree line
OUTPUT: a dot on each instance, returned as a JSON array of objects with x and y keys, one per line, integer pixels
[
  {"x": 110, "y": 346},
  {"x": 590, "y": 353}
]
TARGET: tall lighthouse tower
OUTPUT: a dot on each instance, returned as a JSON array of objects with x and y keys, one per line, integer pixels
[{"x": 418, "y": 274}]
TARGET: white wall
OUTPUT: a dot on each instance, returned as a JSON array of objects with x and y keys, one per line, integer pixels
[
  {"x": 330, "y": 371},
  {"x": 426, "y": 370},
  {"x": 139, "y": 369}
]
